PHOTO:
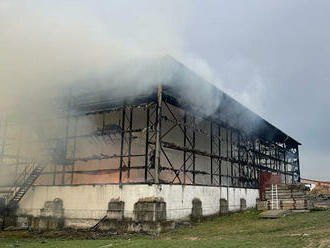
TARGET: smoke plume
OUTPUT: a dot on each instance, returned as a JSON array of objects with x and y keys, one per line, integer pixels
[{"x": 47, "y": 47}]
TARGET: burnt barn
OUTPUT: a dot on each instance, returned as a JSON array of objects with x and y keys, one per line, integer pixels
[{"x": 154, "y": 145}]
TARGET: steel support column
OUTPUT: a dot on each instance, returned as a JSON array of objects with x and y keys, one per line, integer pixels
[
  {"x": 158, "y": 133},
  {"x": 122, "y": 144}
]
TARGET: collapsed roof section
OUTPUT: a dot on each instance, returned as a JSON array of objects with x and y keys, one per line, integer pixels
[{"x": 136, "y": 82}]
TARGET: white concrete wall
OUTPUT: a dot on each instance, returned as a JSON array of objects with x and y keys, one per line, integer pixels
[
  {"x": 85, "y": 201},
  {"x": 179, "y": 199},
  {"x": 91, "y": 201}
]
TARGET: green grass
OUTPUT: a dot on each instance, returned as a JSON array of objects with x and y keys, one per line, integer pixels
[{"x": 236, "y": 230}]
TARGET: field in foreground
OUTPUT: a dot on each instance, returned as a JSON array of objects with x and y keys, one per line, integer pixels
[{"x": 236, "y": 230}]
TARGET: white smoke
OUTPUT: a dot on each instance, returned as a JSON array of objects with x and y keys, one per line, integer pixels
[{"x": 47, "y": 43}]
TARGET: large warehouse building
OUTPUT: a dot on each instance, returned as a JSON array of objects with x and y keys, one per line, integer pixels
[{"x": 156, "y": 144}]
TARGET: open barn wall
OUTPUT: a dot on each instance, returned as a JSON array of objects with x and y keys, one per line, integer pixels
[
  {"x": 202, "y": 151},
  {"x": 105, "y": 147},
  {"x": 102, "y": 147},
  {"x": 117, "y": 145}
]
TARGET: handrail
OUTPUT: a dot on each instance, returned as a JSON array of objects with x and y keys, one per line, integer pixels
[{"x": 20, "y": 180}]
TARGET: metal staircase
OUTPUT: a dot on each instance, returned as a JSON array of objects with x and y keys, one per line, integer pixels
[
  {"x": 22, "y": 184},
  {"x": 32, "y": 171},
  {"x": 51, "y": 152}
]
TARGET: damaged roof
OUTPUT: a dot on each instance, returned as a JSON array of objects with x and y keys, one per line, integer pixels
[{"x": 137, "y": 81}]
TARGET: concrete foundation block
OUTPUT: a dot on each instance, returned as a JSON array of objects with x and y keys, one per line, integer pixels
[
  {"x": 47, "y": 223},
  {"x": 223, "y": 206},
  {"x": 115, "y": 210},
  {"x": 53, "y": 209},
  {"x": 197, "y": 209},
  {"x": 22, "y": 221},
  {"x": 243, "y": 205},
  {"x": 150, "y": 209}
]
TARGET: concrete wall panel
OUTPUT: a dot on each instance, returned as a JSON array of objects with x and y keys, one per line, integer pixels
[{"x": 91, "y": 202}]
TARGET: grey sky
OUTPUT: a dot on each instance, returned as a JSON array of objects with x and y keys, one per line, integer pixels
[
  {"x": 273, "y": 56},
  {"x": 282, "y": 47}
]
